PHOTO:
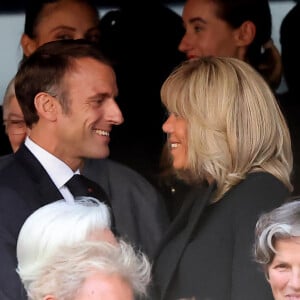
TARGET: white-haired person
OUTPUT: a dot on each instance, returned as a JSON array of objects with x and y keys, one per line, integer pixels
[
  {"x": 87, "y": 270},
  {"x": 277, "y": 249},
  {"x": 63, "y": 223},
  {"x": 52, "y": 229}
]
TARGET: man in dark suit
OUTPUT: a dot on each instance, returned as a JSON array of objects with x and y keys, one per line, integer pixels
[{"x": 67, "y": 92}]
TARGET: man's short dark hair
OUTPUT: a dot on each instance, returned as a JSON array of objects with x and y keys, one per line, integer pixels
[{"x": 44, "y": 71}]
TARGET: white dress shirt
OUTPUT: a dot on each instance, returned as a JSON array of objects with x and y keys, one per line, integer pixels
[{"x": 58, "y": 171}]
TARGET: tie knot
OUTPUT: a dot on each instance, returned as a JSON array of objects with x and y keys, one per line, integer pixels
[{"x": 79, "y": 185}]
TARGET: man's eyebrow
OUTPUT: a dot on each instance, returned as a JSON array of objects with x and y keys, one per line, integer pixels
[
  {"x": 197, "y": 19},
  {"x": 113, "y": 94},
  {"x": 98, "y": 96}
]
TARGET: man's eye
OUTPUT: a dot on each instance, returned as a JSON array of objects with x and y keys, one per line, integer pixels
[{"x": 97, "y": 102}]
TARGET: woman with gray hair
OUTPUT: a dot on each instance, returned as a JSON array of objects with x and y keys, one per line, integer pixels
[{"x": 277, "y": 249}]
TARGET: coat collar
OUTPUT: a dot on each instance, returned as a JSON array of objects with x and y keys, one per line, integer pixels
[{"x": 183, "y": 228}]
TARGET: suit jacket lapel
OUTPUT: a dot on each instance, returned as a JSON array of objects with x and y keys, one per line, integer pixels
[
  {"x": 45, "y": 187},
  {"x": 190, "y": 215}
]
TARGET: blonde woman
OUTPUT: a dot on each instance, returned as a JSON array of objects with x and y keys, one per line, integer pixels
[
  {"x": 225, "y": 28},
  {"x": 225, "y": 130}
]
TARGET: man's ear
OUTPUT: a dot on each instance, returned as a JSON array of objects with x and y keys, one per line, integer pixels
[
  {"x": 46, "y": 106},
  {"x": 28, "y": 44},
  {"x": 245, "y": 34}
]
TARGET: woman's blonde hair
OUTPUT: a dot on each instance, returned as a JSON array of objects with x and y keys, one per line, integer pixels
[{"x": 235, "y": 125}]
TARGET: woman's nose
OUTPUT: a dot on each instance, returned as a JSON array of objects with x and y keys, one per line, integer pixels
[{"x": 167, "y": 126}]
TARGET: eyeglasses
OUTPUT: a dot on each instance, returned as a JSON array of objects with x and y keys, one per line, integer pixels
[{"x": 15, "y": 126}]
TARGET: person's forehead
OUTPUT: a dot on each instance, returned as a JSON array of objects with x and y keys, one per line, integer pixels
[
  {"x": 107, "y": 287},
  {"x": 66, "y": 8},
  {"x": 88, "y": 65}
]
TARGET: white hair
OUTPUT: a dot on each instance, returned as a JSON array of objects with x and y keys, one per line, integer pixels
[
  {"x": 63, "y": 274},
  {"x": 58, "y": 224}
]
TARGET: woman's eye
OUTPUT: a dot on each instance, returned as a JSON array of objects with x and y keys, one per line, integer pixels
[
  {"x": 95, "y": 38},
  {"x": 198, "y": 29},
  {"x": 65, "y": 37},
  {"x": 281, "y": 267}
]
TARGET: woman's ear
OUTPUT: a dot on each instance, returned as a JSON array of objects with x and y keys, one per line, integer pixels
[
  {"x": 245, "y": 34},
  {"x": 46, "y": 106},
  {"x": 28, "y": 44}
]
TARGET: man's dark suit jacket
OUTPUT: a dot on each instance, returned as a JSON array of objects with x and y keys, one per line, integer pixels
[
  {"x": 25, "y": 186},
  {"x": 207, "y": 251}
]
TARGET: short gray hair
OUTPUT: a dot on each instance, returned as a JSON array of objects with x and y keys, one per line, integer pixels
[{"x": 280, "y": 223}]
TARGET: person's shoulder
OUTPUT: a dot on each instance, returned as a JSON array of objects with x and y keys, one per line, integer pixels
[
  {"x": 114, "y": 168},
  {"x": 258, "y": 178},
  {"x": 259, "y": 192},
  {"x": 117, "y": 175},
  {"x": 14, "y": 174},
  {"x": 9, "y": 168},
  {"x": 261, "y": 183},
  {"x": 260, "y": 189},
  {"x": 120, "y": 168},
  {"x": 5, "y": 160}
]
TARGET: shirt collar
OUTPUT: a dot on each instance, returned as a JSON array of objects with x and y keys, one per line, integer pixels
[{"x": 58, "y": 171}]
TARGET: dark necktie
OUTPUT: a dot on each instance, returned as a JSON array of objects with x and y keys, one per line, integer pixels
[{"x": 80, "y": 185}]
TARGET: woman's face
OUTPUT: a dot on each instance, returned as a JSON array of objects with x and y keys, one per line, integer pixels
[
  {"x": 176, "y": 129},
  {"x": 284, "y": 271},
  {"x": 206, "y": 34},
  {"x": 66, "y": 19}
]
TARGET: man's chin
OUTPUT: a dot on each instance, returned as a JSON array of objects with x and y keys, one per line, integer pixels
[{"x": 104, "y": 153}]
